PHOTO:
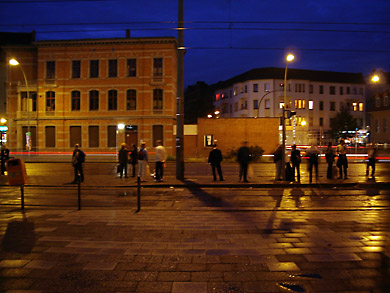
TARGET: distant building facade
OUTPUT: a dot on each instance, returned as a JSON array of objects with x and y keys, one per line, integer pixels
[
  {"x": 316, "y": 96},
  {"x": 82, "y": 90}
]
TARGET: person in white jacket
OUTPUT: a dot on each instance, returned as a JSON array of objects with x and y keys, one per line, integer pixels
[{"x": 161, "y": 156}]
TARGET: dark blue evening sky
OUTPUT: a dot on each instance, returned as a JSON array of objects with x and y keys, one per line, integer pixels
[{"x": 226, "y": 37}]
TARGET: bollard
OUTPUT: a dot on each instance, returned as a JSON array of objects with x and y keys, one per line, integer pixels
[
  {"x": 22, "y": 196},
  {"x": 79, "y": 191},
  {"x": 138, "y": 194}
]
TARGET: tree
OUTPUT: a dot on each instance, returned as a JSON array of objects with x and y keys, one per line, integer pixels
[{"x": 341, "y": 123}]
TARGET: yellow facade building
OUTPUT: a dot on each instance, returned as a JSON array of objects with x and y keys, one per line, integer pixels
[{"x": 81, "y": 90}]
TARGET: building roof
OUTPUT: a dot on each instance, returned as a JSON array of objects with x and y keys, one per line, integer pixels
[
  {"x": 7, "y": 38},
  {"x": 300, "y": 74}
]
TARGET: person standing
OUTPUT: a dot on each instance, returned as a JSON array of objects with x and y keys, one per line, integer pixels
[
  {"x": 161, "y": 156},
  {"x": 329, "y": 156},
  {"x": 278, "y": 153},
  {"x": 215, "y": 159},
  {"x": 4, "y": 158},
  {"x": 342, "y": 162},
  {"x": 78, "y": 158},
  {"x": 295, "y": 159},
  {"x": 142, "y": 161},
  {"x": 371, "y": 159},
  {"x": 244, "y": 156},
  {"x": 133, "y": 158},
  {"x": 123, "y": 156},
  {"x": 313, "y": 153}
]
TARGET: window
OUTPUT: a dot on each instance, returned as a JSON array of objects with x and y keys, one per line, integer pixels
[
  {"x": 112, "y": 68},
  {"x": 76, "y": 69},
  {"x": 321, "y": 106},
  {"x": 267, "y": 104},
  {"x": 377, "y": 101},
  {"x": 341, "y": 91},
  {"x": 255, "y": 87},
  {"x": 93, "y": 136},
  {"x": 50, "y": 101},
  {"x": 348, "y": 90},
  {"x": 111, "y": 136},
  {"x": 386, "y": 101},
  {"x": 131, "y": 67},
  {"x": 112, "y": 100},
  {"x": 300, "y": 87},
  {"x": 354, "y": 107},
  {"x": 300, "y": 104},
  {"x": 158, "y": 134},
  {"x": 321, "y": 121},
  {"x": 255, "y": 104},
  {"x": 50, "y": 135},
  {"x": 361, "y": 91},
  {"x": 266, "y": 87},
  {"x": 235, "y": 107},
  {"x": 310, "y": 121},
  {"x": 75, "y": 101},
  {"x": 321, "y": 89},
  {"x": 75, "y": 135},
  {"x": 311, "y": 105},
  {"x": 235, "y": 91},
  {"x": 332, "y": 90},
  {"x": 93, "y": 68},
  {"x": 157, "y": 99},
  {"x": 131, "y": 100},
  {"x": 50, "y": 69},
  {"x": 384, "y": 125},
  {"x": 157, "y": 66},
  {"x": 310, "y": 88},
  {"x": 332, "y": 106},
  {"x": 246, "y": 88},
  {"x": 361, "y": 107},
  {"x": 32, "y": 102},
  {"x": 93, "y": 100}
]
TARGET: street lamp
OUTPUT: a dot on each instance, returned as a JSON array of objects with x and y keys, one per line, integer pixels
[
  {"x": 289, "y": 58},
  {"x": 375, "y": 78},
  {"x": 15, "y": 62}
]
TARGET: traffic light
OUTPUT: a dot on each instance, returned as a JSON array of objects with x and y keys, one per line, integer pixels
[
  {"x": 281, "y": 85},
  {"x": 290, "y": 113}
]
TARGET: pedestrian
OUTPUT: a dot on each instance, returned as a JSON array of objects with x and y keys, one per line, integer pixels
[
  {"x": 215, "y": 159},
  {"x": 295, "y": 159},
  {"x": 371, "y": 159},
  {"x": 161, "y": 157},
  {"x": 342, "y": 162},
  {"x": 142, "y": 161},
  {"x": 123, "y": 156},
  {"x": 133, "y": 158},
  {"x": 4, "y": 158},
  {"x": 329, "y": 156},
  {"x": 278, "y": 156},
  {"x": 244, "y": 156},
  {"x": 78, "y": 158},
  {"x": 313, "y": 153}
]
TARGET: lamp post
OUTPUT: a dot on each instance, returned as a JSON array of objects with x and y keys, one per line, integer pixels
[
  {"x": 289, "y": 58},
  {"x": 15, "y": 62}
]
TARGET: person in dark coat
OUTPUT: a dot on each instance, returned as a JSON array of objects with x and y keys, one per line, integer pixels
[
  {"x": 4, "y": 157},
  {"x": 342, "y": 162},
  {"x": 313, "y": 153},
  {"x": 123, "y": 156},
  {"x": 215, "y": 159},
  {"x": 329, "y": 156},
  {"x": 295, "y": 159},
  {"x": 78, "y": 158},
  {"x": 371, "y": 159},
  {"x": 244, "y": 156},
  {"x": 278, "y": 156},
  {"x": 133, "y": 158}
]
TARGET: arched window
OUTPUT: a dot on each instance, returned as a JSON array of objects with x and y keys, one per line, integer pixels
[
  {"x": 131, "y": 100},
  {"x": 75, "y": 100},
  {"x": 50, "y": 101},
  {"x": 93, "y": 100},
  {"x": 112, "y": 100}
]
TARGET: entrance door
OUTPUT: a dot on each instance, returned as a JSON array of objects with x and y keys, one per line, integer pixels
[{"x": 131, "y": 135}]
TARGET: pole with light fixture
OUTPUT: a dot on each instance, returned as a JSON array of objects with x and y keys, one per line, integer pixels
[
  {"x": 289, "y": 58},
  {"x": 15, "y": 62}
]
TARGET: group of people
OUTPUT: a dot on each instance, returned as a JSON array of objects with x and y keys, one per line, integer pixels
[{"x": 140, "y": 156}]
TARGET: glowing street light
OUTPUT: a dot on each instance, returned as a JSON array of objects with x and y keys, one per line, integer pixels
[
  {"x": 289, "y": 58},
  {"x": 15, "y": 62},
  {"x": 375, "y": 78}
]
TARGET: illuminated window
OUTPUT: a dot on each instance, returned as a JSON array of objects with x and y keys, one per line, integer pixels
[
  {"x": 361, "y": 107},
  {"x": 311, "y": 105},
  {"x": 235, "y": 91},
  {"x": 354, "y": 107},
  {"x": 217, "y": 97},
  {"x": 300, "y": 104},
  {"x": 281, "y": 105},
  {"x": 50, "y": 101}
]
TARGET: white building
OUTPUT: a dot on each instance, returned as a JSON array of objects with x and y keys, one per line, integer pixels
[{"x": 316, "y": 96}]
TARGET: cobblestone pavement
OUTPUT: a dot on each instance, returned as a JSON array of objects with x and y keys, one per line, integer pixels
[{"x": 194, "y": 237}]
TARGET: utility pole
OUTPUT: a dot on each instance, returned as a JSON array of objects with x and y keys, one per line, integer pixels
[{"x": 180, "y": 95}]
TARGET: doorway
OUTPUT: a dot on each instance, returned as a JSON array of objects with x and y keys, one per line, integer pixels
[{"x": 131, "y": 135}]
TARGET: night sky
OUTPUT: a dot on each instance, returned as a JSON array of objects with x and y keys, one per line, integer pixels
[{"x": 225, "y": 37}]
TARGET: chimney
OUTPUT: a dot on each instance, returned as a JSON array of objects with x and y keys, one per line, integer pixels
[{"x": 127, "y": 34}]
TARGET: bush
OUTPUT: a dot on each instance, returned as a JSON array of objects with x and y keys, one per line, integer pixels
[{"x": 256, "y": 151}]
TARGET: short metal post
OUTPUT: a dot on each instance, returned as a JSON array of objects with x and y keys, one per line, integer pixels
[
  {"x": 22, "y": 196},
  {"x": 79, "y": 191},
  {"x": 138, "y": 194}
]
